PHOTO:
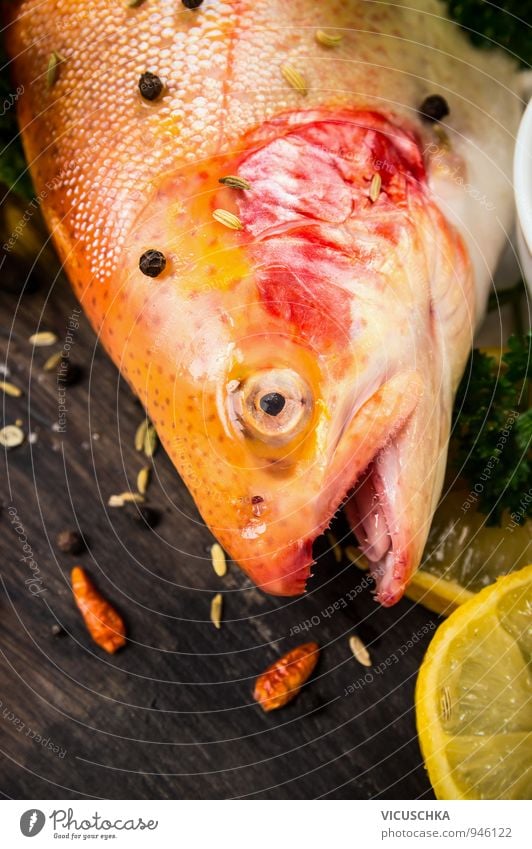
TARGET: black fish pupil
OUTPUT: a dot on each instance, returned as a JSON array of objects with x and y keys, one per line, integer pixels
[
  {"x": 434, "y": 108},
  {"x": 272, "y": 403},
  {"x": 150, "y": 86},
  {"x": 192, "y": 4},
  {"x": 152, "y": 263}
]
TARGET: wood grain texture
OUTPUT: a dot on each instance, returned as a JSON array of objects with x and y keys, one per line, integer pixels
[{"x": 171, "y": 715}]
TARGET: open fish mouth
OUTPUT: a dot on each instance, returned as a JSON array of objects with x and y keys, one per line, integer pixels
[
  {"x": 376, "y": 522},
  {"x": 374, "y": 502},
  {"x": 373, "y": 518},
  {"x": 366, "y": 483}
]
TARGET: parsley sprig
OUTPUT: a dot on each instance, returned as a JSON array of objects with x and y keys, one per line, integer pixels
[
  {"x": 505, "y": 23},
  {"x": 492, "y": 429}
]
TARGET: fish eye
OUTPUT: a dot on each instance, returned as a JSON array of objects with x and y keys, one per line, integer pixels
[{"x": 273, "y": 405}]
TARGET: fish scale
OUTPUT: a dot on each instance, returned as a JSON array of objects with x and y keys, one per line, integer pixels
[
  {"x": 102, "y": 134},
  {"x": 356, "y": 304}
]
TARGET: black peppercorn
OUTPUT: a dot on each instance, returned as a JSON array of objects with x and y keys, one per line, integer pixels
[
  {"x": 152, "y": 263},
  {"x": 68, "y": 372},
  {"x": 70, "y": 542},
  {"x": 434, "y": 108},
  {"x": 192, "y": 4},
  {"x": 150, "y": 86},
  {"x": 145, "y": 516}
]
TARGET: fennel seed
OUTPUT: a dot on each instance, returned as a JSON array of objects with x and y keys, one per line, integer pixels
[
  {"x": 294, "y": 78},
  {"x": 223, "y": 216},
  {"x": 140, "y": 435},
  {"x": 42, "y": 339},
  {"x": 234, "y": 182},
  {"x": 10, "y": 389},
  {"x": 53, "y": 361},
  {"x": 219, "y": 563},
  {"x": 151, "y": 441},
  {"x": 359, "y": 650},
  {"x": 143, "y": 480},
  {"x": 52, "y": 71},
  {"x": 327, "y": 39},
  {"x": 125, "y": 498},
  {"x": 216, "y": 610},
  {"x": 375, "y": 187}
]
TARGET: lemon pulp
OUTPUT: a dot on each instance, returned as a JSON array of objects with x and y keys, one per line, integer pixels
[{"x": 474, "y": 696}]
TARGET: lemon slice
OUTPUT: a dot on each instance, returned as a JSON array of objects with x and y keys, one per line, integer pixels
[
  {"x": 474, "y": 696},
  {"x": 463, "y": 555}
]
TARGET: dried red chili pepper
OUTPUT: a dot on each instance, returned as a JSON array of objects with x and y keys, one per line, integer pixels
[
  {"x": 104, "y": 624},
  {"x": 282, "y": 681}
]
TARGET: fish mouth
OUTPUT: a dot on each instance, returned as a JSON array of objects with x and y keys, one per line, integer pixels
[
  {"x": 374, "y": 520},
  {"x": 364, "y": 469},
  {"x": 373, "y": 501}
]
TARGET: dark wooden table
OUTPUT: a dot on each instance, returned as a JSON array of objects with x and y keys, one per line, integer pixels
[{"x": 171, "y": 715}]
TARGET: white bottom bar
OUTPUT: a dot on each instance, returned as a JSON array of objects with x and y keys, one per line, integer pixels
[{"x": 265, "y": 825}]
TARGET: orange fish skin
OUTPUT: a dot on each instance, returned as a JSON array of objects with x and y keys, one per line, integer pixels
[{"x": 380, "y": 321}]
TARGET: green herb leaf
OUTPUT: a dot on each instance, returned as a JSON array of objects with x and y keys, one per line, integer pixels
[
  {"x": 13, "y": 168},
  {"x": 492, "y": 429},
  {"x": 506, "y": 24}
]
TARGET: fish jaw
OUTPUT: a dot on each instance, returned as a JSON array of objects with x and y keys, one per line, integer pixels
[
  {"x": 390, "y": 508},
  {"x": 275, "y": 549},
  {"x": 267, "y": 508},
  {"x": 386, "y": 472},
  {"x": 388, "y": 467}
]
